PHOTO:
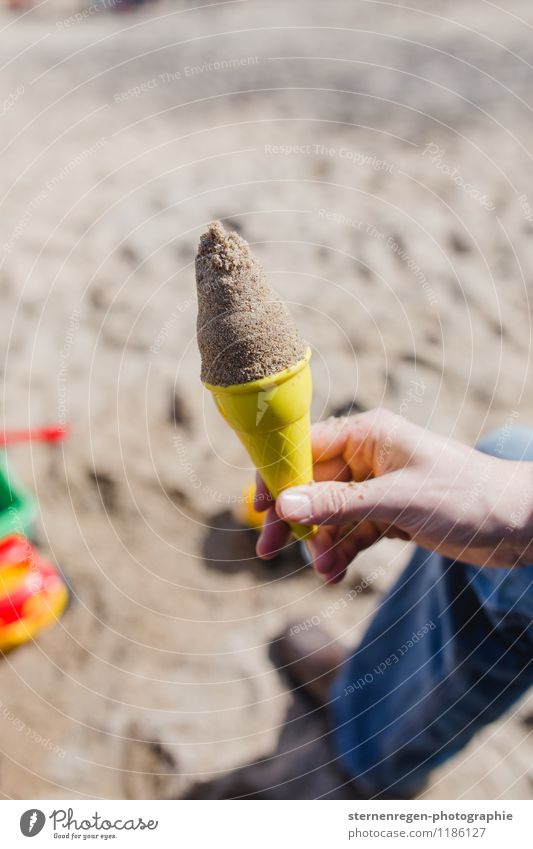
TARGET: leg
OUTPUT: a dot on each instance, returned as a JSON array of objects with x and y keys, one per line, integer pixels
[{"x": 449, "y": 650}]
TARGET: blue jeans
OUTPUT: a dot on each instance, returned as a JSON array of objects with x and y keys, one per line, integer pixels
[{"x": 449, "y": 649}]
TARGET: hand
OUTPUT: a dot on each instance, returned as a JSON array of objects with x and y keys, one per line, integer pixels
[{"x": 377, "y": 475}]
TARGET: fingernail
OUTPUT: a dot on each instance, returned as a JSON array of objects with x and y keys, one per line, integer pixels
[{"x": 295, "y": 506}]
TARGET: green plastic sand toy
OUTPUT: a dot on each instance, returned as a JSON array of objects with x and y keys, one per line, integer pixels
[{"x": 18, "y": 509}]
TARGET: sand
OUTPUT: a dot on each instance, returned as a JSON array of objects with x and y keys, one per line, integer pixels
[
  {"x": 159, "y": 675},
  {"x": 244, "y": 330}
]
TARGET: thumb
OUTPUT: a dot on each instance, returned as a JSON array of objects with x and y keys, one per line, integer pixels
[{"x": 334, "y": 503}]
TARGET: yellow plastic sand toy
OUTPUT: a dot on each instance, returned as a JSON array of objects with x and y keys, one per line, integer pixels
[{"x": 271, "y": 417}]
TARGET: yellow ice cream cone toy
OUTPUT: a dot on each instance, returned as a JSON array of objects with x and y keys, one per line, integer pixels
[
  {"x": 271, "y": 417},
  {"x": 246, "y": 513}
]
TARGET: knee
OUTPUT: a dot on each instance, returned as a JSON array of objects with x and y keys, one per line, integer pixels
[{"x": 509, "y": 443}]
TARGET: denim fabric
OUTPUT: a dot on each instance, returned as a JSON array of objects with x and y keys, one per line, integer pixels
[{"x": 449, "y": 649}]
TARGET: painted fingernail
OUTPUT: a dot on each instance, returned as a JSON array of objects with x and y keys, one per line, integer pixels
[{"x": 295, "y": 506}]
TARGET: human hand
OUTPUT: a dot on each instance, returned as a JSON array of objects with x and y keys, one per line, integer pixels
[{"x": 377, "y": 475}]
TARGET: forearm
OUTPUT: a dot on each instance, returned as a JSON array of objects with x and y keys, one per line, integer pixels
[
  {"x": 482, "y": 513},
  {"x": 517, "y": 502}
]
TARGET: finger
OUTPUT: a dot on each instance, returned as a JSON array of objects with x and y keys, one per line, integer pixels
[
  {"x": 332, "y": 470},
  {"x": 328, "y": 560},
  {"x": 322, "y": 548},
  {"x": 275, "y": 535},
  {"x": 352, "y": 438},
  {"x": 328, "y": 438},
  {"x": 334, "y": 548},
  {"x": 262, "y": 497},
  {"x": 335, "y": 503}
]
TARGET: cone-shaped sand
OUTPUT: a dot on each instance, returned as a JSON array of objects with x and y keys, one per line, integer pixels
[
  {"x": 254, "y": 362},
  {"x": 244, "y": 331}
]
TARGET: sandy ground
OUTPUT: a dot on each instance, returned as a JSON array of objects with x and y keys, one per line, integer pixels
[{"x": 375, "y": 157}]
